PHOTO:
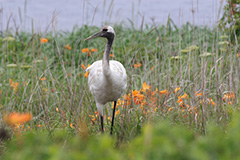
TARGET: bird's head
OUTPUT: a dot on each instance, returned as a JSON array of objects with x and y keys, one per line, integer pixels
[{"x": 106, "y": 32}]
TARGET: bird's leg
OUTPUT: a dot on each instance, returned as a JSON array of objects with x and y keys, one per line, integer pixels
[
  {"x": 101, "y": 123},
  {"x": 115, "y": 103}
]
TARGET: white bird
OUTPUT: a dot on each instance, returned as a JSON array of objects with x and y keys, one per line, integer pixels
[{"x": 107, "y": 80}]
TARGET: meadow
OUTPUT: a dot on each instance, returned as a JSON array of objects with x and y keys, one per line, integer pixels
[{"x": 181, "y": 100}]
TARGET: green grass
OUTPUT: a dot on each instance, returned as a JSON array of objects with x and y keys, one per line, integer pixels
[{"x": 168, "y": 60}]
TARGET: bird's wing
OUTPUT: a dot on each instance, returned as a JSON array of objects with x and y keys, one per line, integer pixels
[
  {"x": 119, "y": 73},
  {"x": 95, "y": 77}
]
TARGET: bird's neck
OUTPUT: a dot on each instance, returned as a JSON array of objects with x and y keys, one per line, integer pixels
[{"x": 105, "y": 62}]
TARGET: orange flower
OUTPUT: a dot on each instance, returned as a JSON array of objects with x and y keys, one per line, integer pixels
[
  {"x": 177, "y": 89},
  {"x": 185, "y": 96},
  {"x": 163, "y": 92},
  {"x": 0, "y": 91},
  {"x": 198, "y": 94},
  {"x": 180, "y": 101},
  {"x": 67, "y": 47},
  {"x": 94, "y": 119},
  {"x": 94, "y": 50},
  {"x": 43, "y": 40},
  {"x": 137, "y": 97},
  {"x": 13, "y": 84},
  {"x": 137, "y": 65},
  {"x": 10, "y": 81},
  {"x": 118, "y": 112},
  {"x": 127, "y": 98},
  {"x": 145, "y": 87},
  {"x": 229, "y": 97},
  {"x": 43, "y": 79},
  {"x": 83, "y": 67},
  {"x": 213, "y": 103},
  {"x": 71, "y": 125},
  {"x": 111, "y": 55},
  {"x": 86, "y": 74},
  {"x": 84, "y": 50},
  {"x": 14, "y": 118},
  {"x": 96, "y": 113},
  {"x": 57, "y": 109}
]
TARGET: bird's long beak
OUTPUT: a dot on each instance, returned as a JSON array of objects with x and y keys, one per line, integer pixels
[{"x": 94, "y": 36}]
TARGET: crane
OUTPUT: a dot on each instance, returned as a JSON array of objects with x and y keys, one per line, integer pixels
[{"x": 107, "y": 79}]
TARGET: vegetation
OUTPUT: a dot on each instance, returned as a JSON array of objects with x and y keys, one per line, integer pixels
[{"x": 180, "y": 102}]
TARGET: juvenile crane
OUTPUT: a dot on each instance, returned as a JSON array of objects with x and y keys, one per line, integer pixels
[{"x": 107, "y": 79}]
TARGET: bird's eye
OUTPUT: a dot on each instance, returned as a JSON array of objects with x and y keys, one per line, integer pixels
[{"x": 104, "y": 30}]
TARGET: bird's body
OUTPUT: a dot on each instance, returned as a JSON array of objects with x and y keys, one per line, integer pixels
[
  {"x": 106, "y": 88},
  {"x": 107, "y": 79}
]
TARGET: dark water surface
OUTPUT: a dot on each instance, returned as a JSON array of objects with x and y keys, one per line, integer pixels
[{"x": 67, "y": 13}]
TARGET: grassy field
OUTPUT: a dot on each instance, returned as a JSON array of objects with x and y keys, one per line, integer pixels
[{"x": 182, "y": 82}]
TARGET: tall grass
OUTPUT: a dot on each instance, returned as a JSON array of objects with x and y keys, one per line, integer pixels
[{"x": 195, "y": 58}]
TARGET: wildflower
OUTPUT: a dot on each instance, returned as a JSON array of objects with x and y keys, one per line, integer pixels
[
  {"x": 43, "y": 40},
  {"x": 83, "y": 67},
  {"x": 212, "y": 102},
  {"x": 155, "y": 92},
  {"x": 142, "y": 104},
  {"x": 96, "y": 113},
  {"x": 137, "y": 65},
  {"x": 39, "y": 125},
  {"x": 94, "y": 50},
  {"x": 14, "y": 118},
  {"x": 43, "y": 79},
  {"x": 137, "y": 97},
  {"x": 238, "y": 54},
  {"x": 57, "y": 109},
  {"x": 177, "y": 89},
  {"x": 86, "y": 74},
  {"x": 185, "y": 96},
  {"x": 118, "y": 112},
  {"x": 85, "y": 50},
  {"x": 145, "y": 87},
  {"x": 229, "y": 97},
  {"x": 163, "y": 92},
  {"x": 127, "y": 99},
  {"x": 45, "y": 89},
  {"x": 111, "y": 55},
  {"x": 180, "y": 101},
  {"x": 67, "y": 47},
  {"x": 152, "y": 68},
  {"x": 198, "y": 94},
  {"x": 71, "y": 125},
  {"x": 13, "y": 84}
]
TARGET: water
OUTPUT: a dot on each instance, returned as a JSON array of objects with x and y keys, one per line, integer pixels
[{"x": 38, "y": 14}]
